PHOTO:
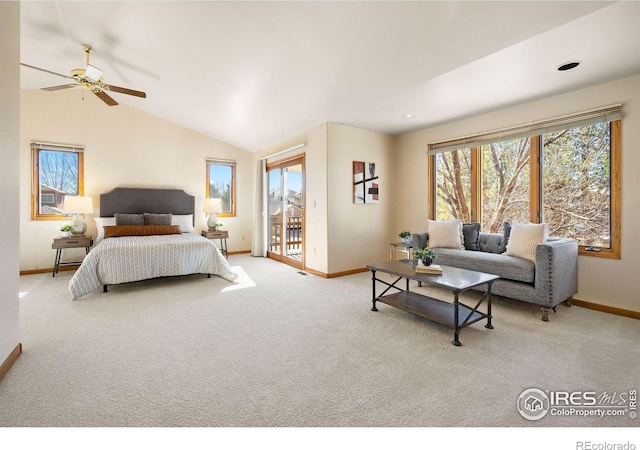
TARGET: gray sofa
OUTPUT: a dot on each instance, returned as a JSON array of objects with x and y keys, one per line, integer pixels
[{"x": 553, "y": 279}]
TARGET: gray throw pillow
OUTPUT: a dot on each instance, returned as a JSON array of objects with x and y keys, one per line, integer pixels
[
  {"x": 505, "y": 237},
  {"x": 157, "y": 219},
  {"x": 129, "y": 219},
  {"x": 471, "y": 234}
]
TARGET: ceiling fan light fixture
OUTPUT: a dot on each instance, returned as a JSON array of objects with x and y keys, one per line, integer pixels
[{"x": 92, "y": 72}]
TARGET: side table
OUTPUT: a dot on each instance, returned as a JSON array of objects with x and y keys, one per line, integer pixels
[
  {"x": 222, "y": 236},
  {"x": 60, "y": 244},
  {"x": 400, "y": 246}
]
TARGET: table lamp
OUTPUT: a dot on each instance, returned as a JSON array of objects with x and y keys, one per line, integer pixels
[
  {"x": 212, "y": 206},
  {"x": 78, "y": 205}
]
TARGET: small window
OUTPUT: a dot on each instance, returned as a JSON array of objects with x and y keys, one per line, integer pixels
[
  {"x": 221, "y": 183},
  {"x": 57, "y": 172}
]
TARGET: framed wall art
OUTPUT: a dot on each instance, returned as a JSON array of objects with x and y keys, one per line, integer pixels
[{"x": 366, "y": 185}]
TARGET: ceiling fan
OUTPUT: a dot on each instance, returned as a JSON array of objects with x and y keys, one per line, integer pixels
[{"x": 90, "y": 78}]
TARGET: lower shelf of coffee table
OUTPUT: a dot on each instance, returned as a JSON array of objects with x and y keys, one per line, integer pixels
[{"x": 432, "y": 309}]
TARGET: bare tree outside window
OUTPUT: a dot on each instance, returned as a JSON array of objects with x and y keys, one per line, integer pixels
[
  {"x": 505, "y": 183},
  {"x": 221, "y": 184},
  {"x": 57, "y": 174},
  {"x": 453, "y": 178},
  {"x": 59, "y": 170}
]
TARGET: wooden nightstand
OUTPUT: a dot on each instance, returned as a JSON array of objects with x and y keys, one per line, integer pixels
[
  {"x": 60, "y": 244},
  {"x": 222, "y": 235}
]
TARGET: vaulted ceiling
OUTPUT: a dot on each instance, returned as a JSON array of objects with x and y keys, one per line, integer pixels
[{"x": 255, "y": 73}]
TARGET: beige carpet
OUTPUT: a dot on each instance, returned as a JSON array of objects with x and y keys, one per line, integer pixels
[{"x": 282, "y": 349}]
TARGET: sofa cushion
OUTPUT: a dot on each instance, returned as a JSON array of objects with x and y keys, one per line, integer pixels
[
  {"x": 507, "y": 267},
  {"x": 490, "y": 243},
  {"x": 471, "y": 234}
]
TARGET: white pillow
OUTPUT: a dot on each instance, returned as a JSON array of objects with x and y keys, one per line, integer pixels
[
  {"x": 524, "y": 238},
  {"x": 102, "y": 222},
  {"x": 185, "y": 222},
  {"x": 445, "y": 234}
]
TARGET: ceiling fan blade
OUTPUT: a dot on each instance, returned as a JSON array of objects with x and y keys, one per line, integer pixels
[
  {"x": 46, "y": 71},
  {"x": 122, "y": 90},
  {"x": 105, "y": 98},
  {"x": 57, "y": 88}
]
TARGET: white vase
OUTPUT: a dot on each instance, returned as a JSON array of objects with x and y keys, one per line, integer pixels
[{"x": 65, "y": 234}]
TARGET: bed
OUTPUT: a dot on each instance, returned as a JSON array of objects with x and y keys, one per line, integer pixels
[{"x": 145, "y": 234}]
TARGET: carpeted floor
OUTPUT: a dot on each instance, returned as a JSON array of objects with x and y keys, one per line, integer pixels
[{"x": 282, "y": 349}]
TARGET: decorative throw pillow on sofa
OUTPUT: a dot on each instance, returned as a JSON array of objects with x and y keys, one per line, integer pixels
[
  {"x": 524, "y": 238},
  {"x": 471, "y": 235},
  {"x": 445, "y": 234},
  {"x": 506, "y": 231}
]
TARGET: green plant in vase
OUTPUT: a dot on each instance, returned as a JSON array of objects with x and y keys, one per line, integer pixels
[
  {"x": 406, "y": 237},
  {"x": 427, "y": 256},
  {"x": 65, "y": 229}
]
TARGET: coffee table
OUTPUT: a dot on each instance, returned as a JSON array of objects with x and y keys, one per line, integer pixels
[{"x": 454, "y": 315}]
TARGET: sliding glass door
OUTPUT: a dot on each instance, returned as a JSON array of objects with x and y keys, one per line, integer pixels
[{"x": 286, "y": 211}]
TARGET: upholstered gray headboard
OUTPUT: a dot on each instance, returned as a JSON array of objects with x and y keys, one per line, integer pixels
[{"x": 143, "y": 200}]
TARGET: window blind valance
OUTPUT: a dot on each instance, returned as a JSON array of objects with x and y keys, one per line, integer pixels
[
  {"x": 591, "y": 117},
  {"x": 57, "y": 147},
  {"x": 220, "y": 162},
  {"x": 282, "y": 152}
]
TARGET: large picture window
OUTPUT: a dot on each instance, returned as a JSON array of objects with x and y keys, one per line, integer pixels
[
  {"x": 57, "y": 171},
  {"x": 221, "y": 183},
  {"x": 568, "y": 178}
]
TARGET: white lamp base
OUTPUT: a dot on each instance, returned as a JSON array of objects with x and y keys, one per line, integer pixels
[
  {"x": 79, "y": 225},
  {"x": 211, "y": 221}
]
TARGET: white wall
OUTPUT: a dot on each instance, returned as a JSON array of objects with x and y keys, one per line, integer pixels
[
  {"x": 9, "y": 175},
  {"x": 359, "y": 234},
  {"x": 603, "y": 281},
  {"x": 123, "y": 147}
]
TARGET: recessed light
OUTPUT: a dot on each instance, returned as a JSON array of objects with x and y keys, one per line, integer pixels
[
  {"x": 409, "y": 116},
  {"x": 569, "y": 66}
]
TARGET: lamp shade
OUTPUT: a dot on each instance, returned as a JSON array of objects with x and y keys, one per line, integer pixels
[
  {"x": 76, "y": 204},
  {"x": 212, "y": 205}
]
